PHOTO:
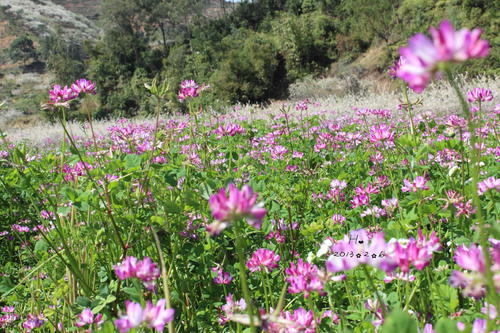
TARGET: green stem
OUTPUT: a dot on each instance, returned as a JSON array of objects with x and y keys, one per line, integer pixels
[
  {"x": 374, "y": 288},
  {"x": 240, "y": 248},
  {"x": 164, "y": 276}
]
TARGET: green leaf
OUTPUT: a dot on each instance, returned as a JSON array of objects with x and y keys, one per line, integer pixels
[
  {"x": 41, "y": 245},
  {"x": 445, "y": 325},
  {"x": 83, "y": 301},
  {"x": 132, "y": 161},
  {"x": 398, "y": 322}
]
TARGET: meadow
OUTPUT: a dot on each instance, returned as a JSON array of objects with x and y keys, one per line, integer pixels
[{"x": 364, "y": 218}]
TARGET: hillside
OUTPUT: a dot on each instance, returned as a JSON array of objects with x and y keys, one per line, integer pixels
[{"x": 43, "y": 17}]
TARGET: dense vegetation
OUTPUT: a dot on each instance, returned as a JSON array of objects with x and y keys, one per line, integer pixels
[
  {"x": 254, "y": 51},
  {"x": 305, "y": 221}
]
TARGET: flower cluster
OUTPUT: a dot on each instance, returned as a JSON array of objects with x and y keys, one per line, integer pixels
[
  {"x": 230, "y": 308},
  {"x": 240, "y": 204},
  {"x": 222, "y": 277},
  {"x": 263, "y": 260},
  {"x": 33, "y": 321},
  {"x": 190, "y": 89},
  {"x": 60, "y": 95},
  {"x": 471, "y": 259},
  {"x": 86, "y": 317},
  {"x": 154, "y": 316},
  {"x": 229, "y": 130},
  {"x": 414, "y": 252},
  {"x": 145, "y": 270},
  {"x": 9, "y": 316},
  {"x": 479, "y": 95},
  {"x": 490, "y": 183},
  {"x": 423, "y": 56},
  {"x": 303, "y": 277},
  {"x": 420, "y": 183}
]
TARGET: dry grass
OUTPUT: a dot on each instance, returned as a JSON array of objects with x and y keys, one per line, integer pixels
[{"x": 439, "y": 97}]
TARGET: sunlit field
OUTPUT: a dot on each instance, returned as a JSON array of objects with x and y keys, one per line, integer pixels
[{"x": 373, "y": 213}]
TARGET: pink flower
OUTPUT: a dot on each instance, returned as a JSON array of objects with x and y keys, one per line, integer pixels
[
  {"x": 418, "y": 184},
  {"x": 222, "y": 277},
  {"x": 303, "y": 277},
  {"x": 358, "y": 248},
  {"x": 382, "y": 135},
  {"x": 145, "y": 270},
  {"x": 423, "y": 55},
  {"x": 459, "y": 45},
  {"x": 338, "y": 219},
  {"x": 240, "y": 204},
  {"x": 479, "y": 94},
  {"x": 33, "y": 321},
  {"x": 416, "y": 252},
  {"x": 490, "y": 183},
  {"x": 83, "y": 86},
  {"x": 471, "y": 259},
  {"x": 303, "y": 321},
  {"x": 87, "y": 318},
  {"x": 157, "y": 316},
  {"x": 189, "y": 89},
  {"x": 126, "y": 269},
  {"x": 154, "y": 316},
  {"x": 61, "y": 96},
  {"x": 302, "y": 105},
  {"x": 393, "y": 70},
  {"x": 263, "y": 259},
  {"x": 232, "y": 306},
  {"x": 132, "y": 319}
]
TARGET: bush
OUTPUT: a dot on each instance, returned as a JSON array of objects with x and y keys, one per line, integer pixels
[
  {"x": 22, "y": 49},
  {"x": 254, "y": 72}
]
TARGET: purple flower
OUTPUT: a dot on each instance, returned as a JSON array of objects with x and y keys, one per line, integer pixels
[
  {"x": 154, "y": 316},
  {"x": 240, "y": 204},
  {"x": 479, "y": 94},
  {"x": 87, "y": 318},
  {"x": 222, "y": 277},
  {"x": 303, "y": 277},
  {"x": 146, "y": 270},
  {"x": 423, "y": 55},
  {"x": 263, "y": 260},
  {"x": 393, "y": 70},
  {"x": 132, "y": 319},
  {"x": 358, "y": 248},
  {"x": 33, "y": 321},
  {"x": 83, "y": 86},
  {"x": 418, "y": 184},
  {"x": 490, "y": 183},
  {"x": 303, "y": 321},
  {"x": 382, "y": 135}
]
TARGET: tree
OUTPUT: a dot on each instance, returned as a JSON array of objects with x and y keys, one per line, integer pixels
[{"x": 22, "y": 49}]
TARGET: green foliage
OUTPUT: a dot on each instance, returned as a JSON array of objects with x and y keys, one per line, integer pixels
[
  {"x": 253, "y": 52},
  {"x": 64, "y": 58},
  {"x": 253, "y": 72},
  {"x": 22, "y": 49}
]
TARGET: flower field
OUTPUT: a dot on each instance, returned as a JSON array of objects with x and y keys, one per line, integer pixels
[{"x": 375, "y": 221}]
